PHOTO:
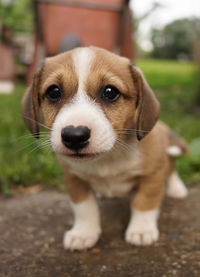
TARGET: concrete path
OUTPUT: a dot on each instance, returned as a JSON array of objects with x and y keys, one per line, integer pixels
[{"x": 32, "y": 227}]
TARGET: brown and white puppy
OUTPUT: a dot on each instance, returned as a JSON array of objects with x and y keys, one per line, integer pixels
[{"x": 100, "y": 110}]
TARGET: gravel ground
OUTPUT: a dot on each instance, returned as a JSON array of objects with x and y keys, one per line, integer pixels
[{"x": 32, "y": 227}]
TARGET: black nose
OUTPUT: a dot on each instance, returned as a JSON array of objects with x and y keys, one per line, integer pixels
[{"x": 75, "y": 138}]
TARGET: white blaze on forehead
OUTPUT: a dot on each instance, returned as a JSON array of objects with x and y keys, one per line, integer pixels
[{"x": 82, "y": 58}]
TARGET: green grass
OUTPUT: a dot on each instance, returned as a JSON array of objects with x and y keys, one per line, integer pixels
[
  {"x": 168, "y": 74},
  {"x": 20, "y": 165},
  {"x": 174, "y": 84}
]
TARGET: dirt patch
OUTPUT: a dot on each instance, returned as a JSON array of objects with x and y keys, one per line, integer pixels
[{"x": 32, "y": 227}]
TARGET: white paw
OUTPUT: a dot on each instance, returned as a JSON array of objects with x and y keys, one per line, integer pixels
[
  {"x": 141, "y": 237},
  {"x": 77, "y": 239},
  {"x": 176, "y": 187},
  {"x": 142, "y": 229}
]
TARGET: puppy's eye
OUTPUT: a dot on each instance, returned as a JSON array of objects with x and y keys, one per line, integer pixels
[
  {"x": 53, "y": 93},
  {"x": 110, "y": 93}
]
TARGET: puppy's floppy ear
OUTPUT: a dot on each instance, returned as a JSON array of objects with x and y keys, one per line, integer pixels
[
  {"x": 147, "y": 106},
  {"x": 30, "y": 105}
]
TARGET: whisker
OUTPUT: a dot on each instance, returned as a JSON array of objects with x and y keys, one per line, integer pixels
[
  {"x": 124, "y": 145},
  {"x": 118, "y": 148},
  {"x": 131, "y": 129},
  {"x": 40, "y": 146},
  {"x": 26, "y": 146},
  {"x": 30, "y": 144},
  {"x": 41, "y": 124},
  {"x": 42, "y": 134},
  {"x": 125, "y": 132}
]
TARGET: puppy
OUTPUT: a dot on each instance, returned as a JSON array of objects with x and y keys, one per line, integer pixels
[{"x": 102, "y": 117}]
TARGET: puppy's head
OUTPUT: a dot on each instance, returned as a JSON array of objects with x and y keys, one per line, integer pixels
[{"x": 89, "y": 98}]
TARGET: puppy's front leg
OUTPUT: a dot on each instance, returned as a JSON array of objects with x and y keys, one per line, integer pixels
[
  {"x": 86, "y": 229},
  {"x": 142, "y": 228}
]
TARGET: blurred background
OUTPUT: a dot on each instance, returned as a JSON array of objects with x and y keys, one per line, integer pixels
[{"x": 162, "y": 37}]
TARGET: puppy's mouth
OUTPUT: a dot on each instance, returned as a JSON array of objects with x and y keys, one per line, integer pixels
[{"x": 83, "y": 156}]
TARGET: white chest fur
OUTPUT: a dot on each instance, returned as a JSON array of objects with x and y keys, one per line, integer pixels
[{"x": 112, "y": 175}]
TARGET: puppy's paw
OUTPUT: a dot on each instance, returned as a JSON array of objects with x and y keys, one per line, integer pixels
[
  {"x": 141, "y": 237},
  {"x": 77, "y": 239},
  {"x": 142, "y": 229}
]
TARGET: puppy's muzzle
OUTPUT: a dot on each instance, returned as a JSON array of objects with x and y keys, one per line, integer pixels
[{"x": 75, "y": 138}]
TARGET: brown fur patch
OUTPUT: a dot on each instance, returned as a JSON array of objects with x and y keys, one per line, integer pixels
[
  {"x": 58, "y": 70},
  {"x": 30, "y": 104},
  {"x": 77, "y": 188},
  {"x": 109, "y": 69},
  {"x": 157, "y": 167}
]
